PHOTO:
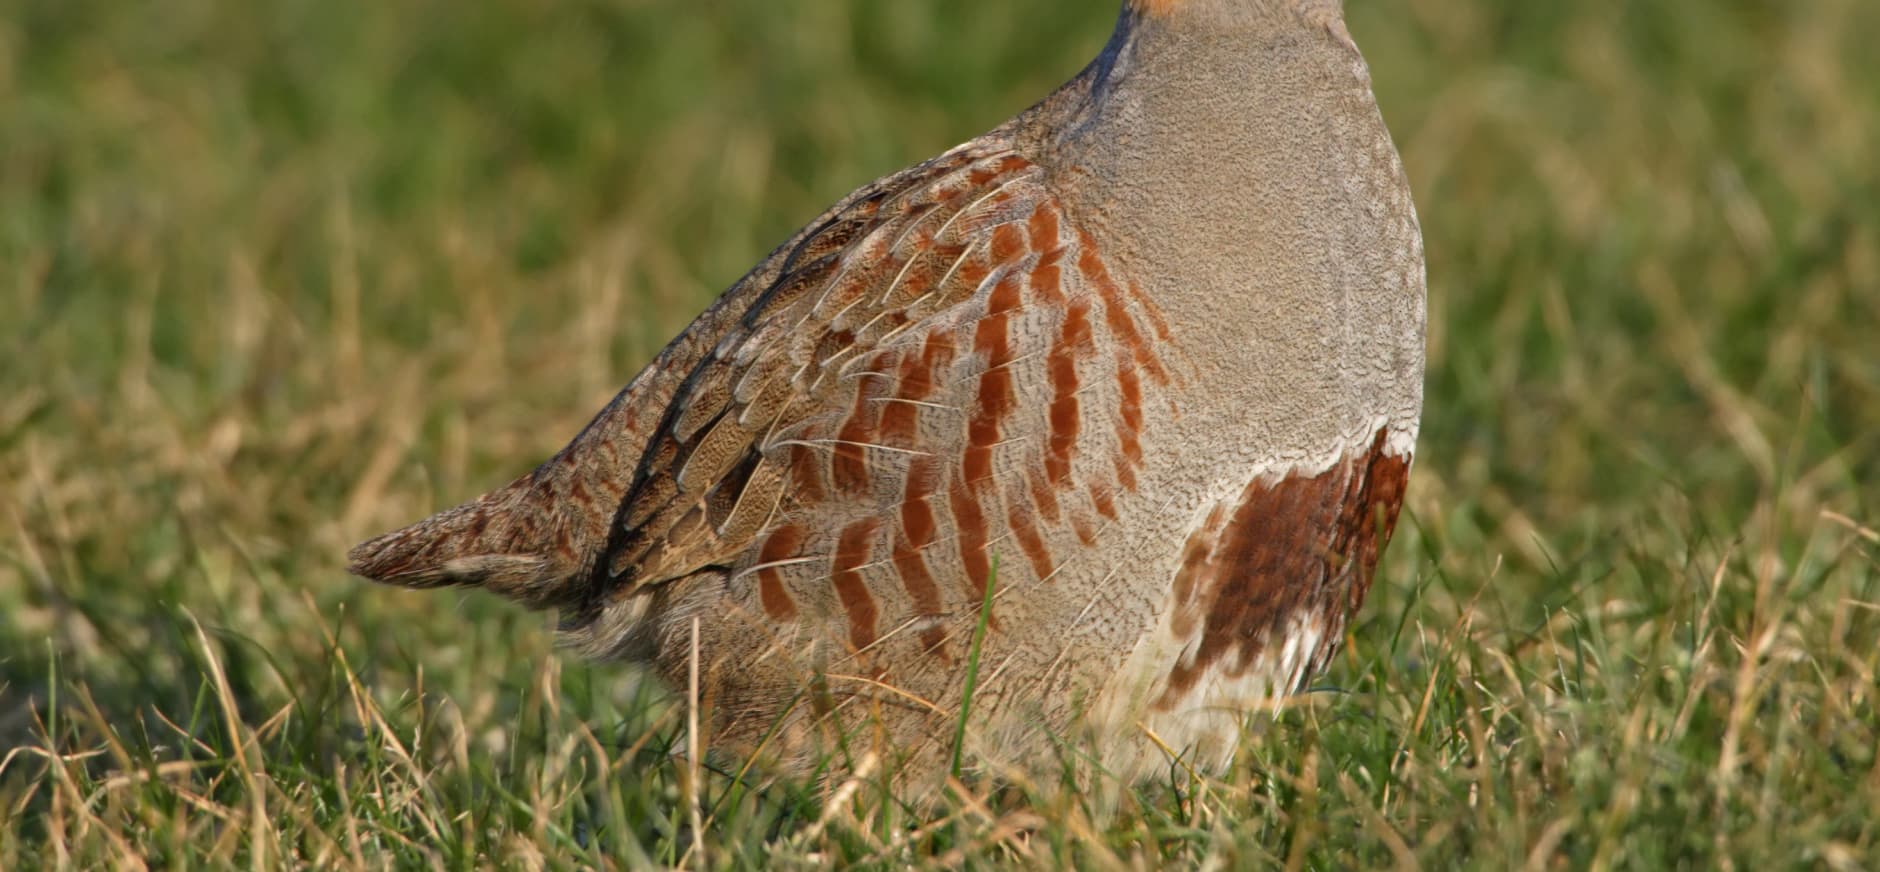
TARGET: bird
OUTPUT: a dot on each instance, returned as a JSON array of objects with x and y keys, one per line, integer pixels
[{"x": 1091, "y": 429}]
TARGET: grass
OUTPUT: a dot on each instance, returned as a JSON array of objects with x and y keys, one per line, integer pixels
[{"x": 277, "y": 275}]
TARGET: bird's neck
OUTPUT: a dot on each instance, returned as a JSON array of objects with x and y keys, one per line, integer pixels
[
  {"x": 1222, "y": 59},
  {"x": 1216, "y": 98},
  {"x": 1227, "y": 145},
  {"x": 1229, "y": 156},
  {"x": 1236, "y": 14}
]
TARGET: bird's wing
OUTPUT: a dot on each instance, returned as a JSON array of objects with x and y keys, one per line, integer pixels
[{"x": 919, "y": 354}]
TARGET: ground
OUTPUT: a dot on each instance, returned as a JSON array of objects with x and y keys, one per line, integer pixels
[{"x": 277, "y": 275}]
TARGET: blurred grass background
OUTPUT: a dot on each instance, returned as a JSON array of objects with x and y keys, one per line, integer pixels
[{"x": 277, "y": 275}]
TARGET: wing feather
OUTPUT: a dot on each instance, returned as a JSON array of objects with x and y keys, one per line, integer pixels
[{"x": 852, "y": 426}]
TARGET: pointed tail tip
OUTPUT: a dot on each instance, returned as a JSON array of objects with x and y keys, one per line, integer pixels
[
  {"x": 480, "y": 544},
  {"x": 400, "y": 557},
  {"x": 431, "y": 552}
]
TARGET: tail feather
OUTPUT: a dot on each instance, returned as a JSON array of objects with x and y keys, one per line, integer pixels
[
  {"x": 537, "y": 540},
  {"x": 511, "y": 541}
]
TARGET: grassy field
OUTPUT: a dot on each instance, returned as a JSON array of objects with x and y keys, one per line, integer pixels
[{"x": 277, "y": 275}]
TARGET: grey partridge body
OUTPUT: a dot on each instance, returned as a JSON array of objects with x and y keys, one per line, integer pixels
[{"x": 1146, "y": 358}]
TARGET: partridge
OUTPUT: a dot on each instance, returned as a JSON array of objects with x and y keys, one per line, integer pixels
[{"x": 1144, "y": 363}]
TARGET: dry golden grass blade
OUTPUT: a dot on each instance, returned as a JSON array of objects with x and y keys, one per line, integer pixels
[{"x": 246, "y": 754}]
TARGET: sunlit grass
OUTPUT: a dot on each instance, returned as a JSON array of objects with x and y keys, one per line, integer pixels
[{"x": 275, "y": 276}]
